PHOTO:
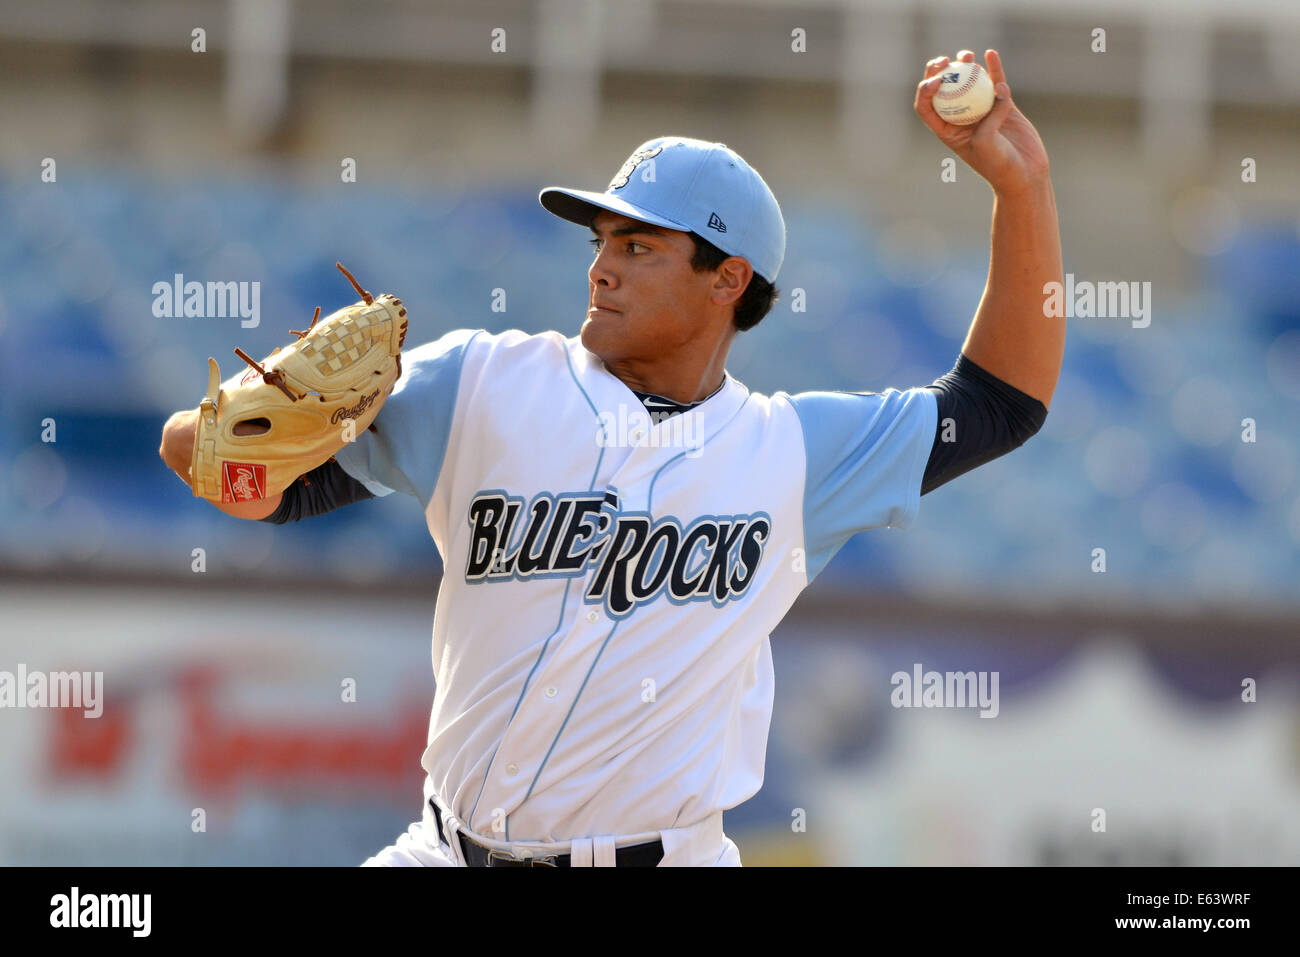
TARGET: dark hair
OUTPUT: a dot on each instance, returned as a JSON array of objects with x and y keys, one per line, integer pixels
[{"x": 759, "y": 296}]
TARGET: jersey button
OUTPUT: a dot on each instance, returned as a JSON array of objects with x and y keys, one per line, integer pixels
[
  {"x": 551, "y": 692},
  {"x": 512, "y": 769},
  {"x": 592, "y": 616}
]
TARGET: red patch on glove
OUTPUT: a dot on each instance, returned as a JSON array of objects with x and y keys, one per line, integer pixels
[{"x": 242, "y": 482}]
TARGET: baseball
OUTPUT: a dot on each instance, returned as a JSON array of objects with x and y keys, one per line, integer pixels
[{"x": 965, "y": 94}]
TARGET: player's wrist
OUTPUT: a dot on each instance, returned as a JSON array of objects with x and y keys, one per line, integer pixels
[{"x": 1028, "y": 187}]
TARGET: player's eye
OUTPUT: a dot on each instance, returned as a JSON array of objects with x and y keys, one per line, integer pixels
[{"x": 595, "y": 246}]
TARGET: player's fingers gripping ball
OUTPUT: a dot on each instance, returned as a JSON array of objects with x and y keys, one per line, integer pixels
[
  {"x": 260, "y": 430},
  {"x": 965, "y": 95}
]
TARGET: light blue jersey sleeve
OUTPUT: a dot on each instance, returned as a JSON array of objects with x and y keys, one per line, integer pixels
[
  {"x": 406, "y": 452},
  {"x": 866, "y": 455}
]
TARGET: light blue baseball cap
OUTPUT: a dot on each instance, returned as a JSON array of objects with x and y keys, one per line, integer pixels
[{"x": 692, "y": 185}]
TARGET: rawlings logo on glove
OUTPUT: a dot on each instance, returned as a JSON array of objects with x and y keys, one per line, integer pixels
[{"x": 259, "y": 431}]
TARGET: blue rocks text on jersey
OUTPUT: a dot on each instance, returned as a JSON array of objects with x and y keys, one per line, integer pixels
[{"x": 634, "y": 557}]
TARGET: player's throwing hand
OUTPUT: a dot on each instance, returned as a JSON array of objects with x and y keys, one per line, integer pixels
[{"x": 1003, "y": 147}]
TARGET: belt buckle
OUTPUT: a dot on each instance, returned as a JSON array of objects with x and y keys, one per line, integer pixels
[{"x": 527, "y": 860}]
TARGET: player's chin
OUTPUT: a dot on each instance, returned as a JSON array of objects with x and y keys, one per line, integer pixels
[{"x": 607, "y": 334}]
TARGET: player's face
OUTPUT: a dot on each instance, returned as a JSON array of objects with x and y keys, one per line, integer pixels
[{"x": 644, "y": 299}]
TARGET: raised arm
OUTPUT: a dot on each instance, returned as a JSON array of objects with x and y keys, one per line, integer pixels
[{"x": 1011, "y": 336}]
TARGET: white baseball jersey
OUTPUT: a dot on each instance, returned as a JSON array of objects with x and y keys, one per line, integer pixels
[{"x": 600, "y": 641}]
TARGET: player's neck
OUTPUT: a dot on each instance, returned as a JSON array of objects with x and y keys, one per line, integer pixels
[
  {"x": 686, "y": 376},
  {"x": 672, "y": 384}
]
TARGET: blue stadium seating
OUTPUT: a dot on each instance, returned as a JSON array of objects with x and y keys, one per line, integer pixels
[{"x": 83, "y": 347}]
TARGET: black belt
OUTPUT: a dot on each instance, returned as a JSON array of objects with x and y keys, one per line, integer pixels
[{"x": 476, "y": 855}]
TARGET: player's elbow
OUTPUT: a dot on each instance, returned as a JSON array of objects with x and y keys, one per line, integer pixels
[{"x": 1025, "y": 426}]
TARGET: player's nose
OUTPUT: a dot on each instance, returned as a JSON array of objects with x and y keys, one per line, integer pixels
[{"x": 600, "y": 273}]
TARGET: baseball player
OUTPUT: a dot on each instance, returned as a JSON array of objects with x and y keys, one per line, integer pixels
[{"x": 623, "y": 523}]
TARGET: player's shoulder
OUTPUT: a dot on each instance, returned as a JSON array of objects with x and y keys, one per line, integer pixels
[
  {"x": 483, "y": 341},
  {"x": 843, "y": 398},
  {"x": 820, "y": 410},
  {"x": 514, "y": 353},
  {"x": 516, "y": 340},
  {"x": 760, "y": 403},
  {"x": 455, "y": 339},
  {"x": 438, "y": 374}
]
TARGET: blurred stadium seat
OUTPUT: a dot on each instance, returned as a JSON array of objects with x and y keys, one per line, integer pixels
[{"x": 86, "y": 350}]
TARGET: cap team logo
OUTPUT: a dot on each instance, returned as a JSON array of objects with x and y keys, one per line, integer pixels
[
  {"x": 242, "y": 482},
  {"x": 625, "y": 172}
]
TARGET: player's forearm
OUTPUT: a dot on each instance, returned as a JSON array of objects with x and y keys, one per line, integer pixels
[
  {"x": 1011, "y": 335},
  {"x": 177, "y": 449}
]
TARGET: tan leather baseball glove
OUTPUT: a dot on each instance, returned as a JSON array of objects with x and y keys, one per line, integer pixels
[{"x": 260, "y": 430}]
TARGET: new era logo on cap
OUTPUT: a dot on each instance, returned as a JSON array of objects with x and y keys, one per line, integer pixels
[{"x": 694, "y": 186}]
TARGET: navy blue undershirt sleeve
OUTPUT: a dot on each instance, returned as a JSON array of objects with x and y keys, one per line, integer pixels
[
  {"x": 985, "y": 418},
  {"x": 326, "y": 488}
]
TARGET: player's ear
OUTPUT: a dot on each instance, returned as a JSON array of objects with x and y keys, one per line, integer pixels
[{"x": 731, "y": 280}]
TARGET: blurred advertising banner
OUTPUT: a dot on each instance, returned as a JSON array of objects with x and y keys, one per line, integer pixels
[
  {"x": 235, "y": 729},
  {"x": 257, "y": 728},
  {"x": 1098, "y": 752}
]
